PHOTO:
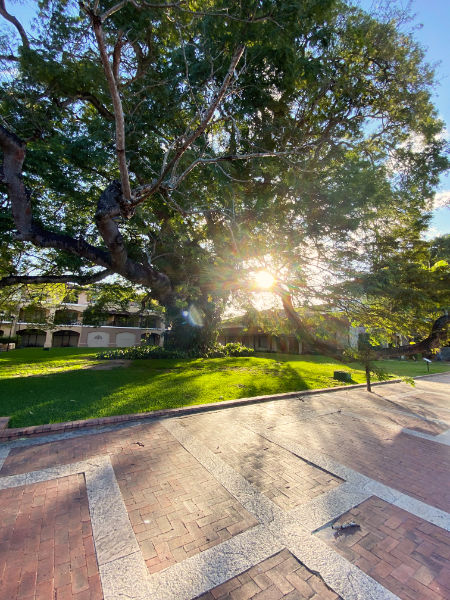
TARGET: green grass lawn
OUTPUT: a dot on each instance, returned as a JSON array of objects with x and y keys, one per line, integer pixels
[{"x": 48, "y": 387}]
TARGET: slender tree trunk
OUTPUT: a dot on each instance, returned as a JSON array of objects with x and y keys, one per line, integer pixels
[{"x": 368, "y": 386}]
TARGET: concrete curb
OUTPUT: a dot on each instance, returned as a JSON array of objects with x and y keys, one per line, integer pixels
[{"x": 36, "y": 430}]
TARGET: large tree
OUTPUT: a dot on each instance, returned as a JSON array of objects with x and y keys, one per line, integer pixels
[{"x": 171, "y": 143}]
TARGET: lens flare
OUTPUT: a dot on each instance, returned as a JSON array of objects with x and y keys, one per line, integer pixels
[{"x": 263, "y": 280}]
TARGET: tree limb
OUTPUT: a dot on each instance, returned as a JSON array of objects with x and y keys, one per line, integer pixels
[
  {"x": 138, "y": 5},
  {"x": 301, "y": 329},
  {"x": 28, "y": 230},
  {"x": 108, "y": 209},
  {"x": 434, "y": 340},
  {"x": 183, "y": 144},
  {"x": 117, "y": 56},
  {"x": 227, "y": 158},
  {"x": 14, "y": 21},
  {"x": 9, "y": 57},
  {"x": 125, "y": 201},
  {"x": 101, "y": 108},
  {"x": 34, "y": 279},
  {"x": 13, "y": 158}
]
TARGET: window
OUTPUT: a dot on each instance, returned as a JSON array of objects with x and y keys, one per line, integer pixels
[{"x": 32, "y": 314}]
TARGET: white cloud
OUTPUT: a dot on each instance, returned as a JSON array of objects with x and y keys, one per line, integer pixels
[
  {"x": 431, "y": 233},
  {"x": 441, "y": 200}
]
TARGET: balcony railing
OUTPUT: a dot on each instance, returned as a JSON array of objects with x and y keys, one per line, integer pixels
[{"x": 136, "y": 324}]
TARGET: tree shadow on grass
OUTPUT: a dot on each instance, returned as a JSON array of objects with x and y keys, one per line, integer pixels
[{"x": 92, "y": 394}]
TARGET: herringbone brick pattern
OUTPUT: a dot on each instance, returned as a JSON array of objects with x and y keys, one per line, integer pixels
[
  {"x": 283, "y": 477},
  {"x": 176, "y": 507},
  {"x": 42, "y": 456},
  {"x": 46, "y": 545},
  {"x": 412, "y": 465},
  {"x": 407, "y": 555},
  {"x": 281, "y": 576}
]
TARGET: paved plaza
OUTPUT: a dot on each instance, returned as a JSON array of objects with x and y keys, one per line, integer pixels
[{"x": 239, "y": 503}]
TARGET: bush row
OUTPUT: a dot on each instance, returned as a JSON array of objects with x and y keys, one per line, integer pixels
[{"x": 136, "y": 352}]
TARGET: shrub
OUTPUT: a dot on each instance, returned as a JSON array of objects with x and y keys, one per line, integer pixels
[
  {"x": 4, "y": 339},
  {"x": 237, "y": 349},
  {"x": 137, "y": 352}
]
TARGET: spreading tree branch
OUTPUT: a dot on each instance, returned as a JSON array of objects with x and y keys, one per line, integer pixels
[
  {"x": 67, "y": 278},
  {"x": 9, "y": 57},
  {"x": 184, "y": 143},
  {"x": 437, "y": 336},
  {"x": 14, "y": 21},
  {"x": 125, "y": 201},
  {"x": 138, "y": 5},
  {"x": 28, "y": 230},
  {"x": 226, "y": 158},
  {"x": 101, "y": 108}
]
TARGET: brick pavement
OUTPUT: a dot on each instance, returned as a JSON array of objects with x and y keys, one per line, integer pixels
[
  {"x": 407, "y": 555},
  {"x": 281, "y": 576},
  {"x": 178, "y": 509},
  {"x": 63, "y": 452},
  {"x": 391, "y": 457},
  {"x": 284, "y": 478},
  {"x": 46, "y": 544}
]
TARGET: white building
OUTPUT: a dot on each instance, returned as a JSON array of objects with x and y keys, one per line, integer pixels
[{"x": 65, "y": 326}]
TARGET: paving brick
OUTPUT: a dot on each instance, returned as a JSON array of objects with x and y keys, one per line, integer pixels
[
  {"x": 280, "y": 576},
  {"x": 409, "y": 568},
  {"x": 176, "y": 507},
  {"x": 283, "y": 477},
  {"x": 376, "y": 449},
  {"x": 33, "y": 565}
]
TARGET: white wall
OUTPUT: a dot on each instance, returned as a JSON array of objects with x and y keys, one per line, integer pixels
[
  {"x": 97, "y": 339},
  {"x": 125, "y": 339}
]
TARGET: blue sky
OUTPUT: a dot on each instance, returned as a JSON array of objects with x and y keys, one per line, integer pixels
[
  {"x": 432, "y": 18},
  {"x": 434, "y": 15}
]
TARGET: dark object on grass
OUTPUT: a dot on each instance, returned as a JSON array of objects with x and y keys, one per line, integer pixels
[{"x": 342, "y": 376}]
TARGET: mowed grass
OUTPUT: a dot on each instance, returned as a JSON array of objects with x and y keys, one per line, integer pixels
[{"x": 60, "y": 385}]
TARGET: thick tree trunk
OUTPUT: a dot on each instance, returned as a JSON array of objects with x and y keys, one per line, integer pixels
[{"x": 194, "y": 329}]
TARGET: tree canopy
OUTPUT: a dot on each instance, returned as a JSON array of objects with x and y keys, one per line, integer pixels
[{"x": 177, "y": 144}]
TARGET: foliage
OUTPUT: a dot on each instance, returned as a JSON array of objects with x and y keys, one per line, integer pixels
[
  {"x": 139, "y": 352},
  {"x": 104, "y": 297},
  {"x": 13, "y": 339},
  {"x": 230, "y": 349},
  {"x": 401, "y": 293},
  {"x": 311, "y": 148}
]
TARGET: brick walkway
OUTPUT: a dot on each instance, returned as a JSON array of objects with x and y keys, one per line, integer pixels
[
  {"x": 46, "y": 548},
  {"x": 221, "y": 504},
  {"x": 405, "y": 553},
  {"x": 281, "y": 576}
]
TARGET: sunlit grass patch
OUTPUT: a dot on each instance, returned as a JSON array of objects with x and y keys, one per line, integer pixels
[{"x": 63, "y": 389}]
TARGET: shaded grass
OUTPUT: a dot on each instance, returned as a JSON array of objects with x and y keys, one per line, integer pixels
[{"x": 63, "y": 389}]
